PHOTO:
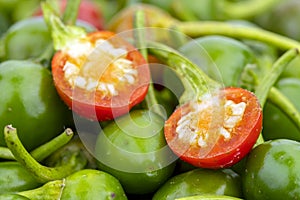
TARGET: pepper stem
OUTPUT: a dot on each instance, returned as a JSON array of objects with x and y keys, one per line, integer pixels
[
  {"x": 42, "y": 173},
  {"x": 285, "y": 105},
  {"x": 49, "y": 191},
  {"x": 43, "y": 151},
  {"x": 201, "y": 28},
  {"x": 140, "y": 41},
  {"x": 62, "y": 34},
  {"x": 195, "y": 81},
  {"x": 268, "y": 81}
]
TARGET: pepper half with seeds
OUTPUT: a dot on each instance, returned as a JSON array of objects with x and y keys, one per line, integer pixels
[{"x": 100, "y": 76}]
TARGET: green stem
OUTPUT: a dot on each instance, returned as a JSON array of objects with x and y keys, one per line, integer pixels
[
  {"x": 269, "y": 80},
  {"x": 139, "y": 35},
  {"x": 42, "y": 173},
  {"x": 285, "y": 105},
  {"x": 43, "y": 151},
  {"x": 195, "y": 81},
  {"x": 62, "y": 34},
  {"x": 50, "y": 191},
  {"x": 245, "y": 9},
  {"x": 201, "y": 28},
  {"x": 71, "y": 12}
]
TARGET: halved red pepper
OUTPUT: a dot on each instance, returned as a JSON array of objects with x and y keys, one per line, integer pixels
[
  {"x": 99, "y": 75},
  {"x": 210, "y": 137}
]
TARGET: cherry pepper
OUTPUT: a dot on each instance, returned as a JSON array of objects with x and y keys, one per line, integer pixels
[
  {"x": 214, "y": 127},
  {"x": 98, "y": 75}
]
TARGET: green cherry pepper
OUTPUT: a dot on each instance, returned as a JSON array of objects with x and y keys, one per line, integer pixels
[
  {"x": 272, "y": 171},
  {"x": 133, "y": 149},
  {"x": 29, "y": 101},
  {"x": 201, "y": 182},
  {"x": 85, "y": 184}
]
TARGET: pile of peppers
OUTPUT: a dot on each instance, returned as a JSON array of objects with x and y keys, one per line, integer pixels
[{"x": 148, "y": 99}]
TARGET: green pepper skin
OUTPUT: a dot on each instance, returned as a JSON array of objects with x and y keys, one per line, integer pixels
[
  {"x": 272, "y": 171},
  {"x": 30, "y": 103},
  {"x": 26, "y": 39},
  {"x": 92, "y": 184},
  {"x": 201, "y": 182},
  {"x": 134, "y": 150},
  {"x": 276, "y": 124},
  {"x": 222, "y": 58},
  {"x": 15, "y": 178}
]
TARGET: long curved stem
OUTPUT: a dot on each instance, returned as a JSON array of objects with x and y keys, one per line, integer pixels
[
  {"x": 268, "y": 81},
  {"x": 201, "y": 28},
  {"x": 42, "y": 173},
  {"x": 43, "y": 151},
  {"x": 195, "y": 81}
]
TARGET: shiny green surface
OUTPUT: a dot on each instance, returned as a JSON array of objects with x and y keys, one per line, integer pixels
[
  {"x": 200, "y": 182},
  {"x": 272, "y": 171},
  {"x": 133, "y": 149},
  {"x": 30, "y": 103},
  {"x": 15, "y": 178}
]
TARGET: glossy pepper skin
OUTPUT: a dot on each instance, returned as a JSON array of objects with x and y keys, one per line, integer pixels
[
  {"x": 272, "y": 171},
  {"x": 30, "y": 102},
  {"x": 26, "y": 39},
  {"x": 15, "y": 178},
  {"x": 224, "y": 59},
  {"x": 199, "y": 182},
  {"x": 133, "y": 149}
]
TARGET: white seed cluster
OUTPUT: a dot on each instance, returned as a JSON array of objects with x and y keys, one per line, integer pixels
[
  {"x": 193, "y": 127},
  {"x": 103, "y": 67}
]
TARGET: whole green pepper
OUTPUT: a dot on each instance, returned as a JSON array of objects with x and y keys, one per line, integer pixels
[
  {"x": 133, "y": 149},
  {"x": 85, "y": 184},
  {"x": 29, "y": 101},
  {"x": 272, "y": 171},
  {"x": 201, "y": 182}
]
